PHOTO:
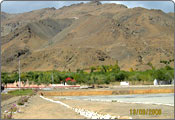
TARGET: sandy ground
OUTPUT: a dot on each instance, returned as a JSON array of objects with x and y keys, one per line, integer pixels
[
  {"x": 38, "y": 108},
  {"x": 6, "y": 104},
  {"x": 120, "y": 109}
]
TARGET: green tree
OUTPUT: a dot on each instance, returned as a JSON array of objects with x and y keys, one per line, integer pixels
[
  {"x": 120, "y": 76},
  {"x": 92, "y": 69},
  {"x": 116, "y": 67},
  {"x": 162, "y": 75}
]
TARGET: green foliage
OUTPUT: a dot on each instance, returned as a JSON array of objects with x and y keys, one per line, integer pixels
[
  {"x": 104, "y": 69},
  {"x": 92, "y": 69},
  {"x": 131, "y": 70},
  {"x": 71, "y": 83},
  {"x": 120, "y": 76},
  {"x": 163, "y": 75},
  {"x": 166, "y": 62},
  {"x": 116, "y": 67},
  {"x": 9, "y": 78},
  {"x": 168, "y": 68},
  {"x": 104, "y": 74}
]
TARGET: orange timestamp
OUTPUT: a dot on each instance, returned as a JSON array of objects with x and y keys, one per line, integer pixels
[{"x": 145, "y": 111}]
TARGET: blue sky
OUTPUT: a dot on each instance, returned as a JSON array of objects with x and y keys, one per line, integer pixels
[{"x": 26, "y": 6}]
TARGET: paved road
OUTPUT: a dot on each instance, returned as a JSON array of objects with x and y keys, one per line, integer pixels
[{"x": 165, "y": 99}]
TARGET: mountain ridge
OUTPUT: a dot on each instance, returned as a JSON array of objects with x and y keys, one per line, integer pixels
[{"x": 81, "y": 35}]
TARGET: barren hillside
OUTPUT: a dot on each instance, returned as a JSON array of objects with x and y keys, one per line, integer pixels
[{"x": 85, "y": 35}]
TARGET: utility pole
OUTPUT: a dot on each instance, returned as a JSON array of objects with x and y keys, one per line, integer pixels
[
  {"x": 52, "y": 78},
  {"x": 19, "y": 75}
]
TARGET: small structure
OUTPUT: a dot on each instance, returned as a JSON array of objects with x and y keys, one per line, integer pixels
[
  {"x": 124, "y": 83},
  {"x": 155, "y": 82}
]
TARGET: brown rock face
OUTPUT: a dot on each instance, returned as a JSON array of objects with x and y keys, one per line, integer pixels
[{"x": 84, "y": 35}]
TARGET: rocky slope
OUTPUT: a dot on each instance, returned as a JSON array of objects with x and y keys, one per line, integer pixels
[{"x": 84, "y": 35}]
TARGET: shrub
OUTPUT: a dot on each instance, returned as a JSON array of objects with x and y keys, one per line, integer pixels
[
  {"x": 90, "y": 82},
  {"x": 111, "y": 77},
  {"x": 25, "y": 99},
  {"x": 168, "y": 68},
  {"x": 20, "y": 102},
  {"x": 135, "y": 77},
  {"x": 71, "y": 83},
  {"x": 7, "y": 116},
  {"x": 120, "y": 76},
  {"x": 107, "y": 81},
  {"x": 13, "y": 108},
  {"x": 131, "y": 70},
  {"x": 114, "y": 100},
  {"x": 162, "y": 75},
  {"x": 92, "y": 69}
]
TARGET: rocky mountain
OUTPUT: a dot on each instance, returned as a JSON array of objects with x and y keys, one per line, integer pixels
[{"x": 84, "y": 35}]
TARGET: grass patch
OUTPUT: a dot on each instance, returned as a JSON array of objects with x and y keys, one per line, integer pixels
[{"x": 21, "y": 92}]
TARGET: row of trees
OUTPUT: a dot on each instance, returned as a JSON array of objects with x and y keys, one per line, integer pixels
[{"x": 100, "y": 75}]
